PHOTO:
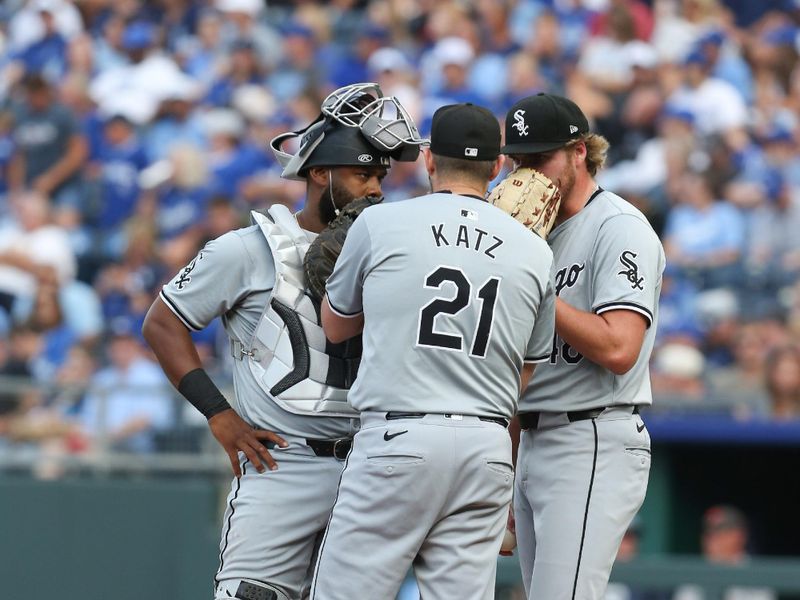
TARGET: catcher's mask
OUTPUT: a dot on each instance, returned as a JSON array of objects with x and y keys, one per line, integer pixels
[{"x": 357, "y": 126}]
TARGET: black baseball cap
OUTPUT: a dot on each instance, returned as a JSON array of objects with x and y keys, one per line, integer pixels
[
  {"x": 542, "y": 123},
  {"x": 466, "y": 131}
]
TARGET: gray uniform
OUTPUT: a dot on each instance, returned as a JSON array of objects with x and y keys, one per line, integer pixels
[
  {"x": 583, "y": 465},
  {"x": 451, "y": 314},
  {"x": 274, "y": 519}
]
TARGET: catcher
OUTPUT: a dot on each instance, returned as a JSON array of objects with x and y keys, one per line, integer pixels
[{"x": 291, "y": 385}]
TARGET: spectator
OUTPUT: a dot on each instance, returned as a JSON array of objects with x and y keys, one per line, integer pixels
[
  {"x": 489, "y": 74},
  {"x": 677, "y": 375},
  {"x": 28, "y": 246},
  {"x": 114, "y": 171},
  {"x": 47, "y": 319},
  {"x": 393, "y": 71},
  {"x": 724, "y": 541},
  {"x": 16, "y": 372},
  {"x": 604, "y": 60},
  {"x": 679, "y": 23},
  {"x": 109, "y": 53},
  {"x": 451, "y": 60},
  {"x": 657, "y": 164},
  {"x": 129, "y": 402},
  {"x": 203, "y": 55},
  {"x": 48, "y": 54},
  {"x": 741, "y": 384},
  {"x": 548, "y": 44},
  {"x": 241, "y": 68},
  {"x": 782, "y": 379},
  {"x": 524, "y": 79},
  {"x": 50, "y": 149},
  {"x": 299, "y": 68},
  {"x": 241, "y": 19},
  {"x": 175, "y": 198},
  {"x": 726, "y": 61},
  {"x": 351, "y": 65},
  {"x": 223, "y": 216},
  {"x": 715, "y": 104},
  {"x": 27, "y": 27},
  {"x": 703, "y": 237},
  {"x": 232, "y": 158},
  {"x": 126, "y": 287}
]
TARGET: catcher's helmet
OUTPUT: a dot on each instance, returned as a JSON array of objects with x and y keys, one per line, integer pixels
[{"x": 353, "y": 129}]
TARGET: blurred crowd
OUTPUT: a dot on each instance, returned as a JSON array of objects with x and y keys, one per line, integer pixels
[{"x": 133, "y": 131}]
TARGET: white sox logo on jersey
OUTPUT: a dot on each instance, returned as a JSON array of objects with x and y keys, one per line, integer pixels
[
  {"x": 520, "y": 122},
  {"x": 184, "y": 278},
  {"x": 632, "y": 269},
  {"x": 568, "y": 276}
]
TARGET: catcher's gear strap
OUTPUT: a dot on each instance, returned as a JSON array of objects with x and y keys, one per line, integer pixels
[
  {"x": 196, "y": 386},
  {"x": 289, "y": 355},
  {"x": 257, "y": 591}
]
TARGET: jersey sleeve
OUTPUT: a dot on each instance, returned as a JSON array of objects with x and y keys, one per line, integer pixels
[
  {"x": 541, "y": 342},
  {"x": 628, "y": 264},
  {"x": 212, "y": 283},
  {"x": 346, "y": 284}
]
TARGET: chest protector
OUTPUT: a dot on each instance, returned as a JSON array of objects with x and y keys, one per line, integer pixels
[{"x": 289, "y": 355}]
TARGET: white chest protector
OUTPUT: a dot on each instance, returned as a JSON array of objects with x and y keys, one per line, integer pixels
[{"x": 289, "y": 356}]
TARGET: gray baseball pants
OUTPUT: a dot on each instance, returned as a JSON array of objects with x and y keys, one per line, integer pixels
[
  {"x": 578, "y": 486},
  {"x": 274, "y": 522},
  {"x": 432, "y": 492}
]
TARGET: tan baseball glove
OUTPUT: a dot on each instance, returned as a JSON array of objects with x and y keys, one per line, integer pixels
[
  {"x": 529, "y": 197},
  {"x": 325, "y": 249}
]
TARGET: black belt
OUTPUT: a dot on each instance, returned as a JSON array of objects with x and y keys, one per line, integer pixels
[
  {"x": 336, "y": 448},
  {"x": 390, "y": 416},
  {"x": 530, "y": 420}
]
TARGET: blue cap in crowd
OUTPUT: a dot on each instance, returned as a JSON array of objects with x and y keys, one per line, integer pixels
[{"x": 138, "y": 36}]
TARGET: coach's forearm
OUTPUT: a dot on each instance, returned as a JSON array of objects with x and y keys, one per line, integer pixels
[
  {"x": 170, "y": 341},
  {"x": 596, "y": 338}
]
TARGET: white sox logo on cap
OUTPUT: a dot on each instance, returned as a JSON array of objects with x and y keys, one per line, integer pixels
[{"x": 520, "y": 122}]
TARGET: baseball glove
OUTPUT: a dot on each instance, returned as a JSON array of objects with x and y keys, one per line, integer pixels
[
  {"x": 529, "y": 197},
  {"x": 322, "y": 253}
]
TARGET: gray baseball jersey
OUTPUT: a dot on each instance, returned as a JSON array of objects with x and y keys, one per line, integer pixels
[
  {"x": 581, "y": 477},
  {"x": 273, "y": 520},
  {"x": 624, "y": 274},
  {"x": 232, "y": 277},
  {"x": 456, "y": 295}
]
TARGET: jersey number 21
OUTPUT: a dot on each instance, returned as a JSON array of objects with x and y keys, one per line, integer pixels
[{"x": 487, "y": 294}]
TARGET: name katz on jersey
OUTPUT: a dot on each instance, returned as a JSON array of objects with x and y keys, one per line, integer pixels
[{"x": 470, "y": 238}]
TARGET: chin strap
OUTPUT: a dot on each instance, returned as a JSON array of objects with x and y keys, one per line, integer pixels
[{"x": 330, "y": 191}]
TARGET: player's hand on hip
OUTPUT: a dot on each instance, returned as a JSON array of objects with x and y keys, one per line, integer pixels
[{"x": 234, "y": 434}]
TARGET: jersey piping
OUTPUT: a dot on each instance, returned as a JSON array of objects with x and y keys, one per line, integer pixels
[
  {"x": 171, "y": 305},
  {"x": 342, "y": 313},
  {"x": 632, "y": 306}
]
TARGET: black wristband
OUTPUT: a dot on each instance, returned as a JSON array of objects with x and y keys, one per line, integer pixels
[{"x": 196, "y": 386}]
